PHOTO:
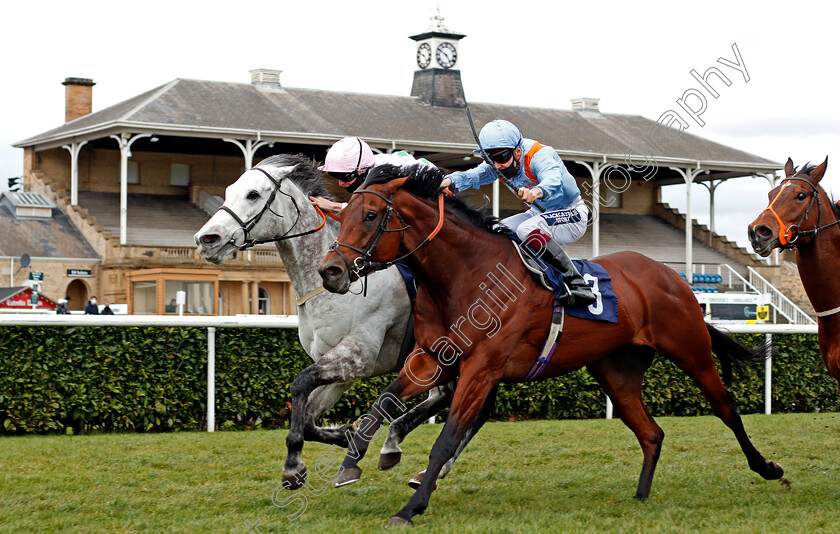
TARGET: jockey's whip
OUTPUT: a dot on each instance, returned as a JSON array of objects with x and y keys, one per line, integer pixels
[{"x": 489, "y": 162}]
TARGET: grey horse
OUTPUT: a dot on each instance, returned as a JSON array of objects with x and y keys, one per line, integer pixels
[{"x": 349, "y": 337}]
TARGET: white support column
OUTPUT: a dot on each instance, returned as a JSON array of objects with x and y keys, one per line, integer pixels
[
  {"x": 248, "y": 149},
  {"x": 712, "y": 186},
  {"x": 125, "y": 141},
  {"x": 74, "y": 149},
  {"x": 595, "y": 170},
  {"x": 688, "y": 175}
]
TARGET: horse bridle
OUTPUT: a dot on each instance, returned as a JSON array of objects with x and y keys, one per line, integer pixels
[
  {"x": 247, "y": 226},
  {"x": 363, "y": 262},
  {"x": 785, "y": 238}
]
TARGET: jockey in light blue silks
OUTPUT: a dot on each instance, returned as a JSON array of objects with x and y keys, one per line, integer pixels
[{"x": 536, "y": 172}]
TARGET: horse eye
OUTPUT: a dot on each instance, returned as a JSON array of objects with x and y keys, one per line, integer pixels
[
  {"x": 371, "y": 215},
  {"x": 801, "y": 196},
  {"x": 253, "y": 195}
]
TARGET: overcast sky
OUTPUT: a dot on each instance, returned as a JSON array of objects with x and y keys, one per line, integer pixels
[{"x": 635, "y": 56}]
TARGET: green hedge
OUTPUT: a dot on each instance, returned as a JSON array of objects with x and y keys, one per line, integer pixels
[{"x": 56, "y": 379}]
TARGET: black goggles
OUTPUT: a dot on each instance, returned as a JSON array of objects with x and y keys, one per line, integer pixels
[
  {"x": 503, "y": 156},
  {"x": 344, "y": 176}
]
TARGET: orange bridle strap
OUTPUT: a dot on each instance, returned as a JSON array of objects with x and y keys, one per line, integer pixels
[{"x": 783, "y": 236}]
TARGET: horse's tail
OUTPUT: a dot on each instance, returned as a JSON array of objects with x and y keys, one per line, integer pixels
[{"x": 731, "y": 352}]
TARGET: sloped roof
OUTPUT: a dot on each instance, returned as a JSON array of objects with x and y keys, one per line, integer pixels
[
  {"x": 196, "y": 107},
  {"x": 44, "y": 238}
]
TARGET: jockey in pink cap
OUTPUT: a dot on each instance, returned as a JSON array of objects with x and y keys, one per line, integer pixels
[{"x": 349, "y": 160}]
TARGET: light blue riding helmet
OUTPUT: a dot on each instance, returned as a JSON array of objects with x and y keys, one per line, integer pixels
[{"x": 497, "y": 134}]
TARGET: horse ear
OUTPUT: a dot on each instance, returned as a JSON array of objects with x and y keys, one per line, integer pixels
[
  {"x": 392, "y": 186},
  {"x": 788, "y": 168},
  {"x": 817, "y": 174}
]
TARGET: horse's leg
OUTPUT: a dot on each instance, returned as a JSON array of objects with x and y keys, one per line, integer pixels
[
  {"x": 486, "y": 411},
  {"x": 695, "y": 358},
  {"x": 468, "y": 402},
  {"x": 439, "y": 398},
  {"x": 343, "y": 363},
  {"x": 389, "y": 401},
  {"x": 321, "y": 400},
  {"x": 621, "y": 374}
]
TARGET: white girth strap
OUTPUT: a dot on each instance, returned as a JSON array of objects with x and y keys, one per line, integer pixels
[
  {"x": 826, "y": 313},
  {"x": 316, "y": 291}
]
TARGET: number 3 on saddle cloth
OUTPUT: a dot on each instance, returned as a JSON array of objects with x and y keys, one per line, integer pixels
[{"x": 605, "y": 307}]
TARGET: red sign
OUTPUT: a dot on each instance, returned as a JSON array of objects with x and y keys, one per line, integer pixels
[{"x": 22, "y": 301}]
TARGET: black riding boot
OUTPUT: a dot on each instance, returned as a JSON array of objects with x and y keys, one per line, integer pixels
[{"x": 580, "y": 294}]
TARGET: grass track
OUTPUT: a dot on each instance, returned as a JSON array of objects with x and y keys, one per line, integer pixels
[{"x": 539, "y": 476}]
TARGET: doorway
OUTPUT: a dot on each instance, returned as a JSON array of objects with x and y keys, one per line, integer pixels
[{"x": 76, "y": 295}]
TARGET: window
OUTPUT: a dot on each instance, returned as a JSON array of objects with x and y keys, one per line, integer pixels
[
  {"x": 179, "y": 174},
  {"x": 145, "y": 301},
  {"x": 199, "y": 295},
  {"x": 133, "y": 172},
  {"x": 153, "y": 290},
  {"x": 612, "y": 199},
  {"x": 263, "y": 302}
]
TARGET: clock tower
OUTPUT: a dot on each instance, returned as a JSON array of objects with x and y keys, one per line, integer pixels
[{"x": 437, "y": 80}]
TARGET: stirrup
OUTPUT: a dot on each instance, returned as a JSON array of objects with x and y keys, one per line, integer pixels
[{"x": 578, "y": 296}]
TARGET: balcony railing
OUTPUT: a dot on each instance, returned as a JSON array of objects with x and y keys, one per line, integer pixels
[{"x": 182, "y": 255}]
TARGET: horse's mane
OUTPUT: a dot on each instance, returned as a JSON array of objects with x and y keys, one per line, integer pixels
[
  {"x": 808, "y": 168},
  {"x": 305, "y": 175},
  {"x": 424, "y": 182}
]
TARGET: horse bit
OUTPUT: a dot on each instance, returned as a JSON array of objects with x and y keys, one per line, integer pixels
[
  {"x": 785, "y": 237},
  {"x": 247, "y": 226}
]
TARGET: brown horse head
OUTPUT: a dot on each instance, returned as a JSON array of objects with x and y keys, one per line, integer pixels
[
  {"x": 796, "y": 210},
  {"x": 371, "y": 240}
]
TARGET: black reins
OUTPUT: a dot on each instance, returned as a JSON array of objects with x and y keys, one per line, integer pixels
[{"x": 247, "y": 226}]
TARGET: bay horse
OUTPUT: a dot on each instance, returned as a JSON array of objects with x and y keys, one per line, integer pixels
[
  {"x": 349, "y": 337},
  {"x": 802, "y": 217},
  {"x": 480, "y": 316}
]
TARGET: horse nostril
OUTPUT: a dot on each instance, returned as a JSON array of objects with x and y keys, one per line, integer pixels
[
  {"x": 332, "y": 272},
  {"x": 209, "y": 239},
  {"x": 763, "y": 232}
]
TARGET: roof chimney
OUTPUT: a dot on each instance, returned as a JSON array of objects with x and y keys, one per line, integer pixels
[
  {"x": 267, "y": 80},
  {"x": 78, "y": 97},
  {"x": 588, "y": 107}
]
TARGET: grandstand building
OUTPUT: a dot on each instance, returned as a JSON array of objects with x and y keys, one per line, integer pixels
[{"x": 129, "y": 185}]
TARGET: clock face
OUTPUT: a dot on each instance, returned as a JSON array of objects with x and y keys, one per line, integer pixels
[
  {"x": 446, "y": 55},
  {"x": 424, "y": 55}
]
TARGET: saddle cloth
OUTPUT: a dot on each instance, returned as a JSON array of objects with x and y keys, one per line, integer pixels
[
  {"x": 605, "y": 307},
  {"x": 408, "y": 279}
]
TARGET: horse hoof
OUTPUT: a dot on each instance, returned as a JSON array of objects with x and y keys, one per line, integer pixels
[
  {"x": 295, "y": 480},
  {"x": 397, "y": 521},
  {"x": 348, "y": 476},
  {"x": 414, "y": 482},
  {"x": 775, "y": 471},
  {"x": 388, "y": 460}
]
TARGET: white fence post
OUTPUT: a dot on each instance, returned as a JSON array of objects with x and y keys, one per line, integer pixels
[
  {"x": 211, "y": 379},
  {"x": 609, "y": 409},
  {"x": 768, "y": 375}
]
